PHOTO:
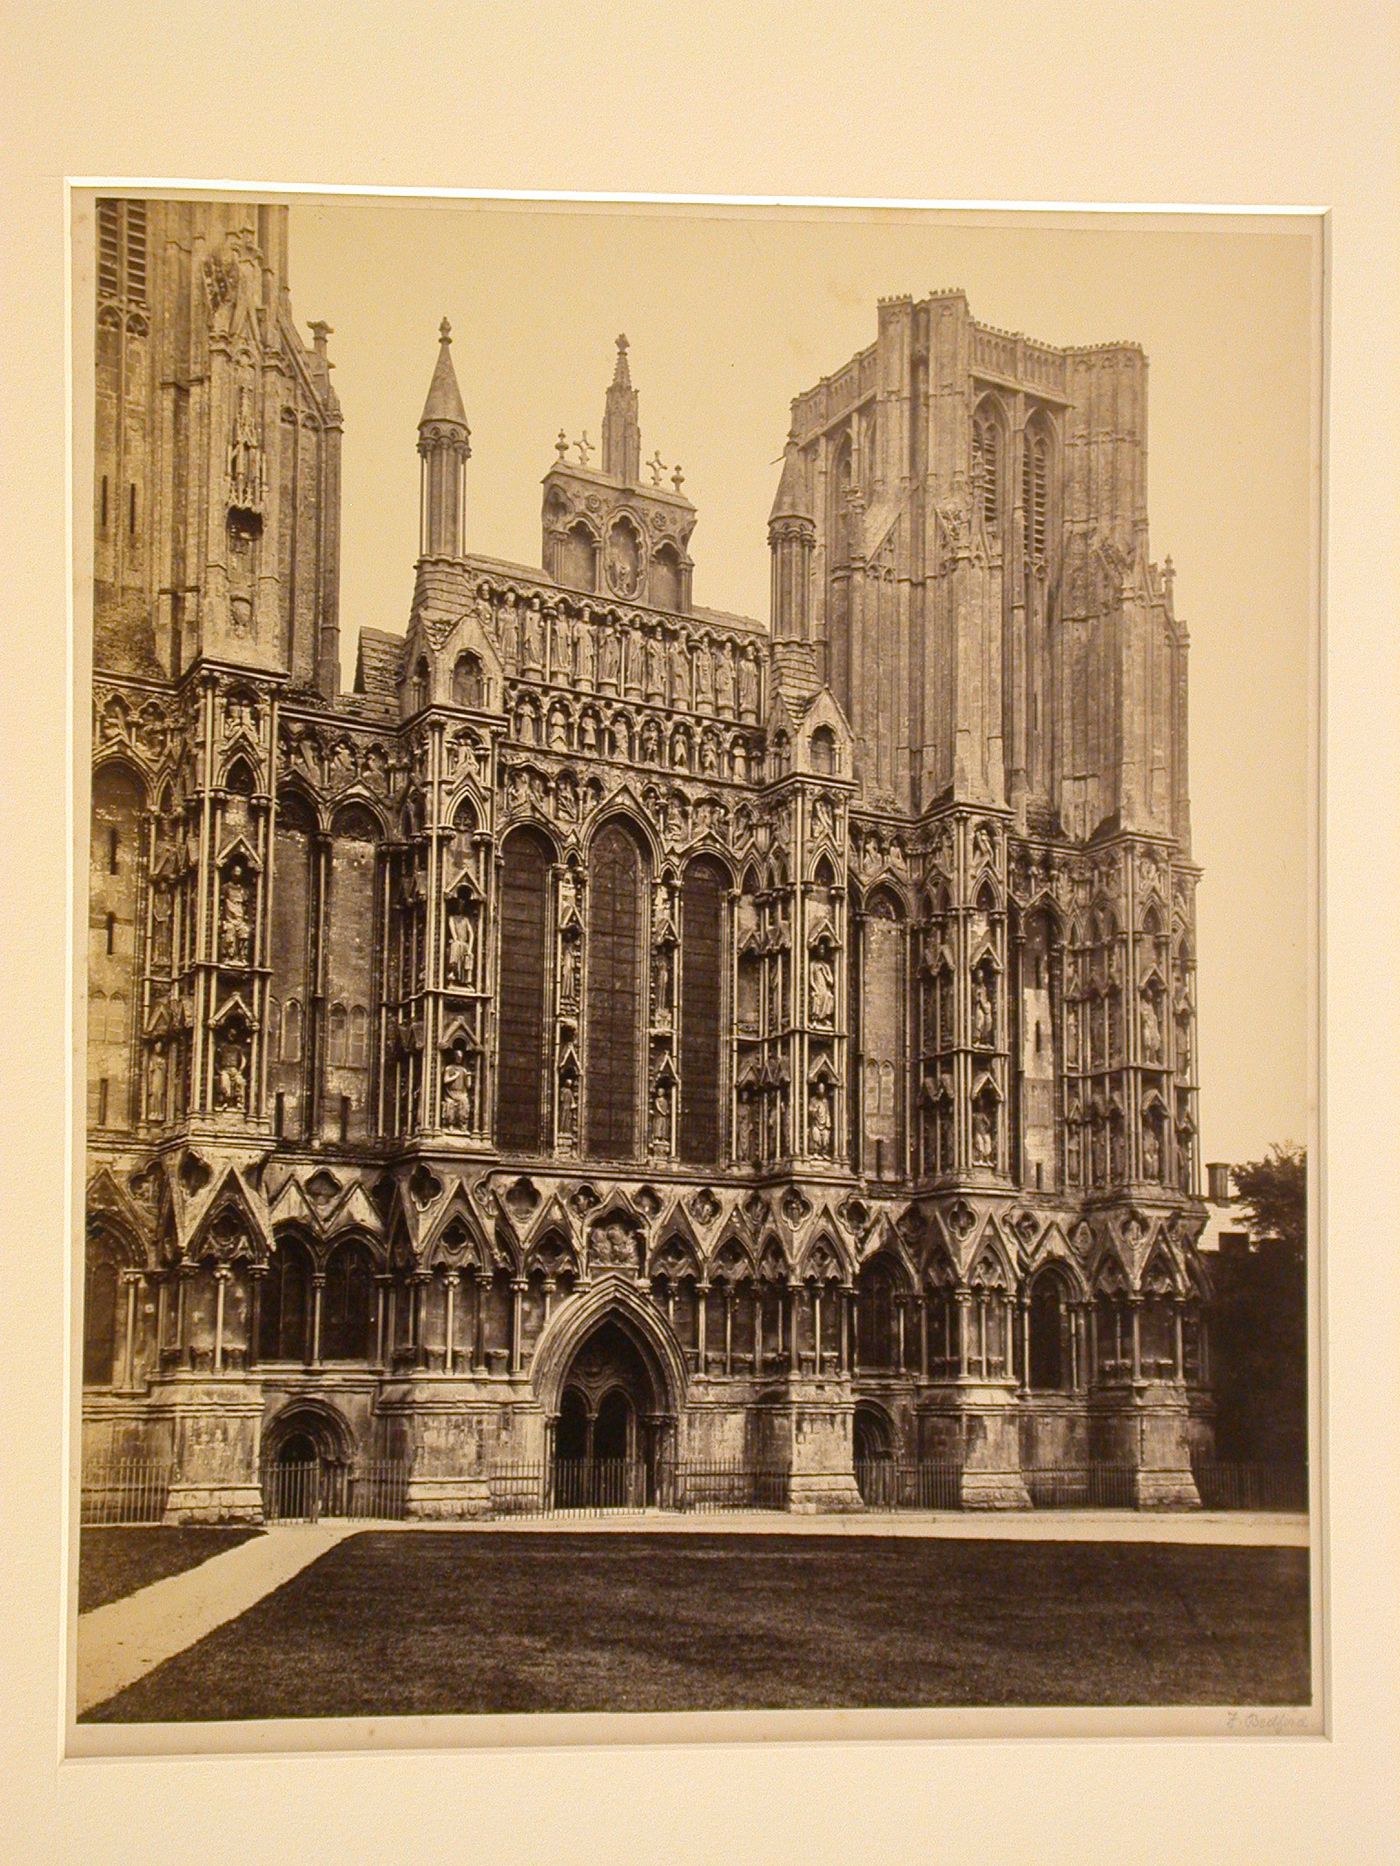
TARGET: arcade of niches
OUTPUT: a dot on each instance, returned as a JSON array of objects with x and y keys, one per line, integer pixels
[{"x": 615, "y": 1027}]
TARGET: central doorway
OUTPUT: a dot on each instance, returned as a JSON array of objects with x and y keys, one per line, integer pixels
[{"x": 606, "y": 1437}]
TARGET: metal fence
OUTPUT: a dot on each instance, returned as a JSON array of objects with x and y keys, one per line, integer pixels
[
  {"x": 885, "y": 1484},
  {"x": 1251, "y": 1486},
  {"x": 589, "y": 1487},
  {"x": 125, "y": 1490},
  {"x": 304, "y": 1493},
  {"x": 1081, "y": 1486}
]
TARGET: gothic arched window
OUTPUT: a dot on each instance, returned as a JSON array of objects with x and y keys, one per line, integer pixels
[
  {"x": 285, "y": 1303},
  {"x": 347, "y": 1304},
  {"x": 100, "y": 1306},
  {"x": 526, "y": 862},
  {"x": 468, "y": 681},
  {"x": 616, "y": 993},
  {"x": 702, "y": 970}
]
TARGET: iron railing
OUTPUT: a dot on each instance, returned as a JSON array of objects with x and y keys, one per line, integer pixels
[
  {"x": 1081, "y": 1486},
  {"x": 886, "y": 1484},
  {"x": 118, "y": 1491},
  {"x": 1251, "y": 1486},
  {"x": 589, "y": 1487},
  {"x": 304, "y": 1493}
]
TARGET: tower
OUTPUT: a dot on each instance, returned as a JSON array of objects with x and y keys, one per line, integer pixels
[{"x": 444, "y": 446}]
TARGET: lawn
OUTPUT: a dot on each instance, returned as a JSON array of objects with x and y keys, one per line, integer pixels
[
  {"x": 113, "y": 1563},
  {"x": 392, "y": 1624}
]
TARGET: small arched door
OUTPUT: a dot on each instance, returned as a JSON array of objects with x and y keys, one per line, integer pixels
[
  {"x": 305, "y": 1475},
  {"x": 872, "y": 1445},
  {"x": 604, "y": 1444}
]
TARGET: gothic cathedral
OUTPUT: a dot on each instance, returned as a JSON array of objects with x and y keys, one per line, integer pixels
[{"x": 617, "y": 1030}]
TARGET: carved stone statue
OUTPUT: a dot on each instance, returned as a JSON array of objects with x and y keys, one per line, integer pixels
[
  {"x": 532, "y": 638},
  {"x": 822, "y": 986},
  {"x": 1151, "y": 1153},
  {"x": 660, "y": 1120},
  {"x": 983, "y": 1014},
  {"x": 558, "y": 730},
  {"x": 1151, "y": 1033},
  {"x": 656, "y": 668},
  {"x": 587, "y": 656},
  {"x": 608, "y": 663},
  {"x": 704, "y": 680},
  {"x": 748, "y": 687},
  {"x": 231, "y": 1077},
  {"x": 568, "y": 972},
  {"x": 568, "y": 1110},
  {"x": 461, "y": 947},
  {"x": 983, "y": 1138},
  {"x": 724, "y": 680},
  {"x": 235, "y": 934},
  {"x": 456, "y": 1093},
  {"x": 680, "y": 674},
  {"x": 819, "y": 1122}
]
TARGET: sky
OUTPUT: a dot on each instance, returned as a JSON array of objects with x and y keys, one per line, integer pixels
[{"x": 730, "y": 314}]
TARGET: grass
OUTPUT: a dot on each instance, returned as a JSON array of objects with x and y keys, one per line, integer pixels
[
  {"x": 393, "y": 1624},
  {"x": 113, "y": 1563}
]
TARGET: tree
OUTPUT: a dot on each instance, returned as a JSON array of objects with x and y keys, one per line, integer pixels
[
  {"x": 1261, "y": 1316},
  {"x": 1274, "y": 1193}
]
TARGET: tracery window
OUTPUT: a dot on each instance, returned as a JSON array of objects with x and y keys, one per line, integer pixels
[
  {"x": 347, "y": 1304},
  {"x": 285, "y": 1310}
]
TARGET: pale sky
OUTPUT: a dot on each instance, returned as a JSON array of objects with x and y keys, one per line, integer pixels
[{"x": 730, "y": 316}]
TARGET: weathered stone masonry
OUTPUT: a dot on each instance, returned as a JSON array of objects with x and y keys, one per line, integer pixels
[{"x": 614, "y": 1024}]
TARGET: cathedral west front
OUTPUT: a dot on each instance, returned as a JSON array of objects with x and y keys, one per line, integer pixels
[{"x": 615, "y": 1032}]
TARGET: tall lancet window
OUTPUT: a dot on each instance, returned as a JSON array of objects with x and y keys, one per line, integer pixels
[
  {"x": 526, "y": 861},
  {"x": 615, "y": 994},
  {"x": 702, "y": 930}
]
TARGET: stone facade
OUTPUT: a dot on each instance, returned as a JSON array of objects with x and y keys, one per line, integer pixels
[{"x": 615, "y": 1028}]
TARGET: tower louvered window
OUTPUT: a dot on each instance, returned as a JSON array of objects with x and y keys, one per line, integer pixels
[
  {"x": 615, "y": 997},
  {"x": 986, "y": 468},
  {"x": 121, "y": 250},
  {"x": 1035, "y": 496}
]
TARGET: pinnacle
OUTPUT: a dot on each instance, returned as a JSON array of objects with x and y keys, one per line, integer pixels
[{"x": 444, "y": 403}]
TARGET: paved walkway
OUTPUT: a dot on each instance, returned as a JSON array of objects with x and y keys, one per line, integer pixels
[
  {"x": 121, "y": 1642},
  {"x": 127, "y": 1638},
  {"x": 1223, "y": 1529}
]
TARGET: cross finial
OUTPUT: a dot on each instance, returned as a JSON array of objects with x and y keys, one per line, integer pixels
[
  {"x": 585, "y": 448},
  {"x": 658, "y": 467},
  {"x": 678, "y": 479},
  {"x": 445, "y": 331}
]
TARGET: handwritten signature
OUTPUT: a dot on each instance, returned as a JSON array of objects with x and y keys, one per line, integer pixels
[{"x": 1268, "y": 1722}]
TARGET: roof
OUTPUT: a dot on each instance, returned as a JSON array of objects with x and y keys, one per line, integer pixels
[{"x": 377, "y": 665}]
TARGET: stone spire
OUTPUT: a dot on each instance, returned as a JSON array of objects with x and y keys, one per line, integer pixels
[
  {"x": 622, "y": 434},
  {"x": 792, "y": 536},
  {"x": 443, "y": 407},
  {"x": 444, "y": 446}
]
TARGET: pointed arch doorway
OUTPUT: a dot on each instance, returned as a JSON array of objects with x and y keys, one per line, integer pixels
[{"x": 611, "y": 1436}]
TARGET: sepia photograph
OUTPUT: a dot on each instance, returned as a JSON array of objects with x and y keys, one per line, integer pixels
[{"x": 694, "y": 962}]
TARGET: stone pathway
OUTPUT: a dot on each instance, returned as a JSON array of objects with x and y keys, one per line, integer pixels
[
  {"x": 127, "y": 1638},
  {"x": 1222, "y": 1528}
]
